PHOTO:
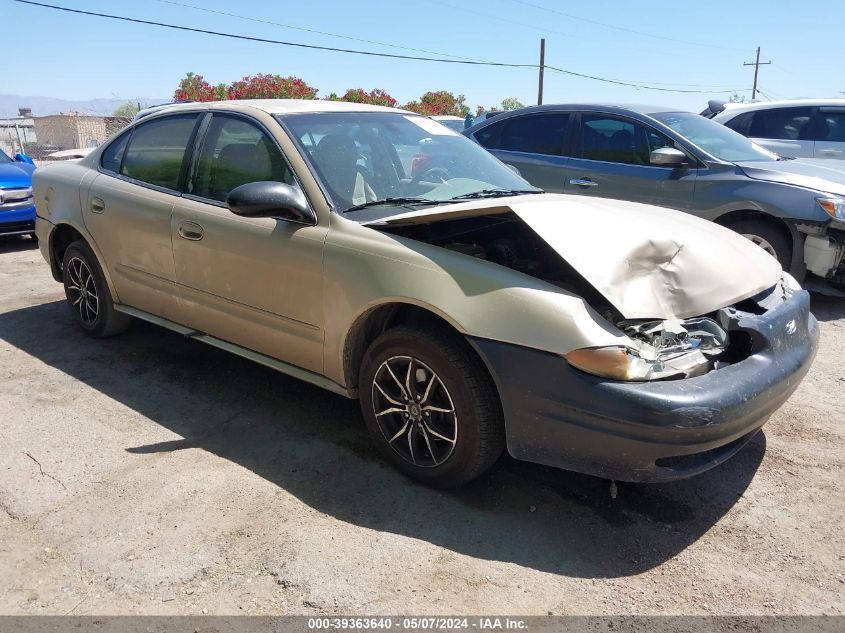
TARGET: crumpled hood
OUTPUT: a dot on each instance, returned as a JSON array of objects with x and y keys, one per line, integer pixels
[
  {"x": 814, "y": 173},
  {"x": 14, "y": 175},
  {"x": 648, "y": 262}
]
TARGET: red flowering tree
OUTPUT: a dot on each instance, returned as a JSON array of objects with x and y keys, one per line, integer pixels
[
  {"x": 267, "y": 86},
  {"x": 195, "y": 88},
  {"x": 377, "y": 96},
  {"x": 439, "y": 103}
]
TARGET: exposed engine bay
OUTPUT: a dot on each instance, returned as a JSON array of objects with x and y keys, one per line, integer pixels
[{"x": 660, "y": 350}]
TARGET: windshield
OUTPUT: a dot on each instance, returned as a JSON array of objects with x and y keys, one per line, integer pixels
[
  {"x": 714, "y": 138},
  {"x": 366, "y": 157}
]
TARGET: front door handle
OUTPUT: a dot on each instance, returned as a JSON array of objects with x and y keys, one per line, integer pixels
[
  {"x": 831, "y": 152},
  {"x": 98, "y": 205},
  {"x": 583, "y": 182},
  {"x": 190, "y": 231}
]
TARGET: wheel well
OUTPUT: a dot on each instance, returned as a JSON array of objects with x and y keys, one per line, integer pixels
[
  {"x": 61, "y": 237},
  {"x": 376, "y": 321},
  {"x": 758, "y": 216}
]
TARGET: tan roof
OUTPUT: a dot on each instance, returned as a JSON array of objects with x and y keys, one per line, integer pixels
[{"x": 287, "y": 106}]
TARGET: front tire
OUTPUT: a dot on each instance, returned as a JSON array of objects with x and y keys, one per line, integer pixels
[
  {"x": 767, "y": 237},
  {"x": 430, "y": 406},
  {"x": 88, "y": 294}
]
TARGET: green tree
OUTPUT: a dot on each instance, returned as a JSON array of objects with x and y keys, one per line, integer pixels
[
  {"x": 737, "y": 98},
  {"x": 127, "y": 110},
  {"x": 512, "y": 103}
]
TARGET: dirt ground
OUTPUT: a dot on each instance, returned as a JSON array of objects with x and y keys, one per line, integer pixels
[{"x": 151, "y": 474}]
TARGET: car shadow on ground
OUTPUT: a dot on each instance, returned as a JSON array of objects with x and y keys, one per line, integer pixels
[
  {"x": 827, "y": 308},
  {"x": 313, "y": 445},
  {"x": 15, "y": 243}
]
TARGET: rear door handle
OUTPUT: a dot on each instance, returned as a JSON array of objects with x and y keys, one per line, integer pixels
[
  {"x": 830, "y": 152},
  {"x": 190, "y": 231},
  {"x": 583, "y": 182},
  {"x": 98, "y": 205}
]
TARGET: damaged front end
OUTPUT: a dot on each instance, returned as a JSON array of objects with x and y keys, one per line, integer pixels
[
  {"x": 671, "y": 348},
  {"x": 684, "y": 348}
]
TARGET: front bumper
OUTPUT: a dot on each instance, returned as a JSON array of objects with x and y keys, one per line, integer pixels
[
  {"x": 650, "y": 431},
  {"x": 17, "y": 221}
]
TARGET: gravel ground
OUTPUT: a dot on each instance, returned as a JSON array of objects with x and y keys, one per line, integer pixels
[{"x": 151, "y": 474}]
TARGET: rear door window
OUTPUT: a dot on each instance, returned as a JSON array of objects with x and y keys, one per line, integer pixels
[
  {"x": 787, "y": 124},
  {"x": 157, "y": 150},
  {"x": 532, "y": 134}
]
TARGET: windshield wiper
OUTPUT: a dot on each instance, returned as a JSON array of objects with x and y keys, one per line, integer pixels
[
  {"x": 495, "y": 193},
  {"x": 396, "y": 201}
]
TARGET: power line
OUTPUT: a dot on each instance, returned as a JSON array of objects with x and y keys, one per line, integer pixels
[
  {"x": 306, "y": 30},
  {"x": 265, "y": 40},
  {"x": 351, "y": 51},
  {"x": 545, "y": 29},
  {"x": 634, "y": 85},
  {"x": 622, "y": 28},
  {"x": 419, "y": 50}
]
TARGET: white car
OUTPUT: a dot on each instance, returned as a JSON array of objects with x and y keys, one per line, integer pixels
[
  {"x": 454, "y": 123},
  {"x": 798, "y": 128}
]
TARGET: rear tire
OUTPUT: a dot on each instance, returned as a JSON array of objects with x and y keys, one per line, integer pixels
[
  {"x": 88, "y": 294},
  {"x": 767, "y": 237},
  {"x": 430, "y": 406}
]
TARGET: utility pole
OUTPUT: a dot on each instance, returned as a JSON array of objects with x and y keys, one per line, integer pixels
[
  {"x": 757, "y": 63},
  {"x": 542, "y": 67}
]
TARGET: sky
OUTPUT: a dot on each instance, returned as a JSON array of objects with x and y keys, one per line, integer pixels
[{"x": 680, "y": 45}]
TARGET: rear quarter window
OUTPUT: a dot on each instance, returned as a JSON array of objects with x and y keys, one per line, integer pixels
[{"x": 113, "y": 154}]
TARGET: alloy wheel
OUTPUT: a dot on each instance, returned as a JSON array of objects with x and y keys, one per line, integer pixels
[
  {"x": 82, "y": 291},
  {"x": 762, "y": 243},
  {"x": 414, "y": 411}
]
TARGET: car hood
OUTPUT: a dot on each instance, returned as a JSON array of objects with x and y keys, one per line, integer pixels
[
  {"x": 13, "y": 175},
  {"x": 647, "y": 261},
  {"x": 813, "y": 173}
]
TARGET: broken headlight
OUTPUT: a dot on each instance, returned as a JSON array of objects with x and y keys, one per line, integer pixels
[{"x": 660, "y": 349}]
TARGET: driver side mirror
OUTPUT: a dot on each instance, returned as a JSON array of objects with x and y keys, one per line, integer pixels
[
  {"x": 667, "y": 157},
  {"x": 266, "y": 199},
  {"x": 23, "y": 158}
]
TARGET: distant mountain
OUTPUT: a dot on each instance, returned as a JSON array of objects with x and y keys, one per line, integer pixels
[{"x": 42, "y": 106}]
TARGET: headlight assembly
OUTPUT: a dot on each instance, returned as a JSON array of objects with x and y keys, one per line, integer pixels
[
  {"x": 621, "y": 363},
  {"x": 661, "y": 349}
]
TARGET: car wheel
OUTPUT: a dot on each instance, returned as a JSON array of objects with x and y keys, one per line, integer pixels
[
  {"x": 767, "y": 237},
  {"x": 88, "y": 294},
  {"x": 430, "y": 406}
]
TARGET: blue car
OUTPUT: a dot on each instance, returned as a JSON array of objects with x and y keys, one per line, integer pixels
[{"x": 17, "y": 209}]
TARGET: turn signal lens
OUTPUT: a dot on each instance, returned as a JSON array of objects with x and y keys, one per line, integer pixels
[
  {"x": 607, "y": 362},
  {"x": 834, "y": 207}
]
